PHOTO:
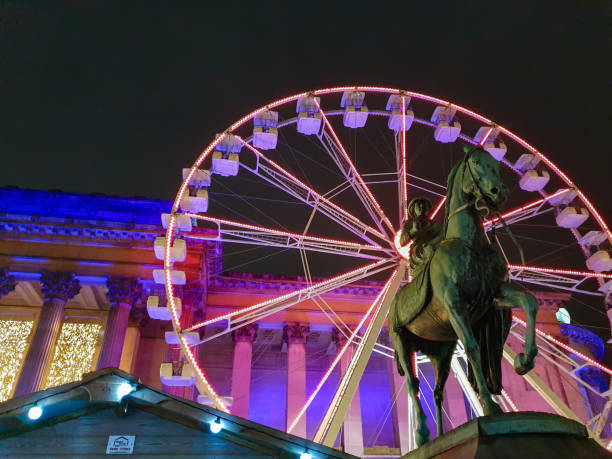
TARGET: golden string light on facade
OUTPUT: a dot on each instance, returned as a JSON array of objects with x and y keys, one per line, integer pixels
[
  {"x": 13, "y": 344},
  {"x": 74, "y": 353}
]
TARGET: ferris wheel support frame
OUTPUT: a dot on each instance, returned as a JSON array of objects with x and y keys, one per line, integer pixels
[{"x": 332, "y": 421}]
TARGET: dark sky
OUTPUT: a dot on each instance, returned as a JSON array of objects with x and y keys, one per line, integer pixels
[{"x": 116, "y": 97}]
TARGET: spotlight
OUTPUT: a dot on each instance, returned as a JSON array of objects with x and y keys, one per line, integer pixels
[
  {"x": 305, "y": 455},
  {"x": 34, "y": 412},
  {"x": 124, "y": 389},
  {"x": 216, "y": 426}
]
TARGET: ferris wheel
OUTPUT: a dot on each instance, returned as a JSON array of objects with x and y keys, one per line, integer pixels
[{"x": 321, "y": 180}]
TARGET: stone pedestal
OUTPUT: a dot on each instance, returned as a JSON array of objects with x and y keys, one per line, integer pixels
[
  {"x": 352, "y": 431},
  {"x": 514, "y": 435},
  {"x": 295, "y": 335},
  {"x": 122, "y": 292},
  {"x": 57, "y": 288},
  {"x": 241, "y": 371}
]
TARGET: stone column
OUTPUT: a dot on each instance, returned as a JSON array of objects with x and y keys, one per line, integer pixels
[
  {"x": 295, "y": 334},
  {"x": 57, "y": 288},
  {"x": 400, "y": 411},
  {"x": 352, "y": 432},
  {"x": 122, "y": 293},
  {"x": 241, "y": 372},
  {"x": 7, "y": 282},
  {"x": 454, "y": 403}
]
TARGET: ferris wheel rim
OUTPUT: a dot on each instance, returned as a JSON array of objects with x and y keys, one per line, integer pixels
[{"x": 289, "y": 99}]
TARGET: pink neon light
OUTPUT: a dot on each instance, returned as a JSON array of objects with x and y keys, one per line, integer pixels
[
  {"x": 175, "y": 319},
  {"x": 286, "y": 296},
  {"x": 314, "y": 193},
  {"x": 561, "y": 271},
  {"x": 352, "y": 166},
  {"x": 526, "y": 206},
  {"x": 404, "y": 185},
  {"x": 341, "y": 353},
  {"x": 437, "y": 209},
  {"x": 566, "y": 347},
  {"x": 221, "y": 221},
  {"x": 509, "y": 400}
]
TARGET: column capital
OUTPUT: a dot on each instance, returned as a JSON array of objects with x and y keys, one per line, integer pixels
[
  {"x": 248, "y": 333},
  {"x": 338, "y": 338},
  {"x": 295, "y": 332},
  {"x": 59, "y": 285},
  {"x": 193, "y": 296},
  {"x": 123, "y": 290},
  {"x": 7, "y": 282}
]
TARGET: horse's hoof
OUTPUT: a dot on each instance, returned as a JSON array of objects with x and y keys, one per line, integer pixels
[
  {"x": 492, "y": 408},
  {"x": 422, "y": 437},
  {"x": 522, "y": 364}
]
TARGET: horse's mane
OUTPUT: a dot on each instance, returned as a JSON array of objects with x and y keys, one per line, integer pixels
[{"x": 450, "y": 185}]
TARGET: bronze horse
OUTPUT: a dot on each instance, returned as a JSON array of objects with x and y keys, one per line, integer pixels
[{"x": 461, "y": 292}]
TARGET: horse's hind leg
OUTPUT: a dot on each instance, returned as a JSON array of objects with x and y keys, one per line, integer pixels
[
  {"x": 441, "y": 360},
  {"x": 466, "y": 335},
  {"x": 511, "y": 297},
  {"x": 406, "y": 367}
]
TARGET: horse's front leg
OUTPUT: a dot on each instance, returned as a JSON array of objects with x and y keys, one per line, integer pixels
[
  {"x": 511, "y": 297},
  {"x": 457, "y": 313}
]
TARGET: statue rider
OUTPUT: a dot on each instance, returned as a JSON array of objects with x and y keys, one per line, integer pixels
[{"x": 420, "y": 229}]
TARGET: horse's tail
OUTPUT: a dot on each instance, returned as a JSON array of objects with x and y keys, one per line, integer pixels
[{"x": 491, "y": 333}]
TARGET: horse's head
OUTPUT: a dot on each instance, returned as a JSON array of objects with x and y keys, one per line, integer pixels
[{"x": 482, "y": 179}]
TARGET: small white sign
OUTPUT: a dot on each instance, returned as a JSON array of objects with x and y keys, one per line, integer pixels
[{"x": 120, "y": 444}]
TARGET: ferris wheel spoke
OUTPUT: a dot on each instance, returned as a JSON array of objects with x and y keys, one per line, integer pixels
[
  {"x": 334, "y": 147},
  {"x": 332, "y": 421},
  {"x": 242, "y": 233},
  {"x": 564, "y": 279},
  {"x": 400, "y": 157},
  {"x": 526, "y": 211},
  {"x": 258, "y": 311},
  {"x": 348, "y": 343},
  {"x": 282, "y": 179}
]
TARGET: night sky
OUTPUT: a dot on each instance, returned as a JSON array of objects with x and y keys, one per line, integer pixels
[{"x": 117, "y": 97}]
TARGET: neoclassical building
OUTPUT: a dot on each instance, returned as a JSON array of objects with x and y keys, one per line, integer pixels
[{"x": 76, "y": 272}]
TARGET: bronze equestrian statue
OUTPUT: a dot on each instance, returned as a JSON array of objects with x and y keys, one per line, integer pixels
[{"x": 459, "y": 290}]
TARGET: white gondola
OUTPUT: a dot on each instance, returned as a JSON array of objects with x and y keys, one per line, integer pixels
[
  {"x": 447, "y": 128},
  {"x": 397, "y": 122},
  {"x": 196, "y": 204},
  {"x": 225, "y": 164},
  {"x": 158, "y": 312},
  {"x": 599, "y": 262},
  {"x": 490, "y": 132},
  {"x": 592, "y": 238},
  {"x": 176, "y": 277},
  {"x": 570, "y": 217},
  {"x": 192, "y": 338},
  {"x": 534, "y": 181},
  {"x": 309, "y": 118},
  {"x": 563, "y": 199},
  {"x": 200, "y": 178},
  {"x": 497, "y": 149},
  {"x": 265, "y": 132},
  {"x": 229, "y": 144},
  {"x": 526, "y": 162},
  {"x": 178, "y": 251},
  {"x": 182, "y": 222},
  {"x": 355, "y": 111},
  {"x": 177, "y": 374},
  {"x": 606, "y": 288}
]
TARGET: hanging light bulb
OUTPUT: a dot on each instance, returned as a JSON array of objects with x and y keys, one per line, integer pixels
[
  {"x": 216, "y": 426},
  {"x": 35, "y": 412}
]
